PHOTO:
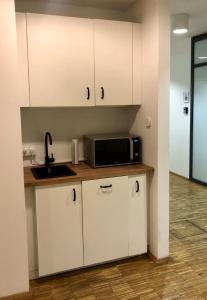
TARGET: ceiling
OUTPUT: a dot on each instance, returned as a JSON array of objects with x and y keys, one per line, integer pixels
[
  {"x": 197, "y": 10},
  {"x": 108, "y": 4}
]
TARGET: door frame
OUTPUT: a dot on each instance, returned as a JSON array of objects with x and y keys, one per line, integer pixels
[{"x": 194, "y": 40}]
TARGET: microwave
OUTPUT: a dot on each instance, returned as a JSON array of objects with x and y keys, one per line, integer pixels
[{"x": 111, "y": 150}]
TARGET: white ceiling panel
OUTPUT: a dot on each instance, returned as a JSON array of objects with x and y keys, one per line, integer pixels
[
  {"x": 197, "y": 10},
  {"x": 108, "y": 4}
]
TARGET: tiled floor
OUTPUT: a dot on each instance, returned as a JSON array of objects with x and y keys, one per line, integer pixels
[{"x": 183, "y": 276}]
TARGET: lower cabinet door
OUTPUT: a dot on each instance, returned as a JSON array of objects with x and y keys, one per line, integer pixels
[
  {"x": 137, "y": 215},
  {"x": 59, "y": 228},
  {"x": 105, "y": 219}
]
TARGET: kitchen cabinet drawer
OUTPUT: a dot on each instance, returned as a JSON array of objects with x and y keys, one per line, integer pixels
[
  {"x": 59, "y": 228},
  {"x": 105, "y": 219},
  {"x": 137, "y": 215}
]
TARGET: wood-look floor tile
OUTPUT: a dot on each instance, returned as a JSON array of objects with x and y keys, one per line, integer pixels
[{"x": 182, "y": 277}]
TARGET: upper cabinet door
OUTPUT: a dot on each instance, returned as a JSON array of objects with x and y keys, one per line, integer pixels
[
  {"x": 113, "y": 62},
  {"x": 23, "y": 81},
  {"x": 61, "y": 61}
]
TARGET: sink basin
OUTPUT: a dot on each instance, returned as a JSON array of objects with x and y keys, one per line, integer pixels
[{"x": 52, "y": 172}]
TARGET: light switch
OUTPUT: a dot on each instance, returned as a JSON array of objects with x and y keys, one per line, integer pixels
[
  {"x": 148, "y": 122},
  {"x": 186, "y": 97}
]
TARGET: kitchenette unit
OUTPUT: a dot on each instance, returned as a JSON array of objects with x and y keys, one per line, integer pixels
[
  {"x": 83, "y": 216},
  {"x": 79, "y": 215}
]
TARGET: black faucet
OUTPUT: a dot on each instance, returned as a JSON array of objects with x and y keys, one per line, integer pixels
[{"x": 48, "y": 159}]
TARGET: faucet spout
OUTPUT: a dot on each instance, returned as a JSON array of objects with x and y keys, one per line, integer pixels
[{"x": 48, "y": 159}]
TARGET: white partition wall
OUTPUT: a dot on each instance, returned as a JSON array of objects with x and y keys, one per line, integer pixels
[
  {"x": 179, "y": 121},
  {"x": 13, "y": 248},
  {"x": 152, "y": 122}
]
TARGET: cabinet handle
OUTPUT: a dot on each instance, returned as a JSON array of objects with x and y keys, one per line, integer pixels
[
  {"x": 74, "y": 195},
  {"x": 137, "y": 184},
  {"x": 106, "y": 186},
  {"x": 88, "y": 93},
  {"x": 102, "y": 93}
]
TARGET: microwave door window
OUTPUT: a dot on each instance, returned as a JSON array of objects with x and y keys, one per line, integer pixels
[{"x": 112, "y": 152}]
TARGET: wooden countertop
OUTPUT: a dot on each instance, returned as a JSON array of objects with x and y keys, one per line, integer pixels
[{"x": 85, "y": 172}]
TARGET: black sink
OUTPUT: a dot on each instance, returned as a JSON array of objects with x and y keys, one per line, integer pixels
[{"x": 52, "y": 172}]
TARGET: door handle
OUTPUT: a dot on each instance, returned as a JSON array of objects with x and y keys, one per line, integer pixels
[
  {"x": 106, "y": 186},
  {"x": 74, "y": 195},
  {"x": 137, "y": 186},
  {"x": 88, "y": 93},
  {"x": 102, "y": 93}
]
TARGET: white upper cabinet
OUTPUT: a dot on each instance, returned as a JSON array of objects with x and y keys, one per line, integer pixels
[
  {"x": 66, "y": 61},
  {"x": 137, "y": 215},
  {"x": 23, "y": 80},
  {"x": 59, "y": 228},
  {"x": 61, "y": 60},
  {"x": 113, "y": 62},
  {"x": 137, "y": 77}
]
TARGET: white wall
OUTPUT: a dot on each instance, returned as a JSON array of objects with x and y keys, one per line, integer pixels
[
  {"x": 154, "y": 15},
  {"x": 179, "y": 122},
  {"x": 68, "y": 123},
  {"x": 13, "y": 247}
]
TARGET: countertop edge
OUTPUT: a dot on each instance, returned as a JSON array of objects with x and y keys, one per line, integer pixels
[{"x": 81, "y": 169}]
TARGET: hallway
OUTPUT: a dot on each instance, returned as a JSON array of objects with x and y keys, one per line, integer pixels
[
  {"x": 183, "y": 276},
  {"x": 188, "y": 237},
  {"x": 188, "y": 208}
]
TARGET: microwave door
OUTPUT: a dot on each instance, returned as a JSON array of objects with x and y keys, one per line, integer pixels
[{"x": 112, "y": 152}]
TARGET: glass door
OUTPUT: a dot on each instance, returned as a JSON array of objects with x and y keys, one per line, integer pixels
[{"x": 198, "y": 170}]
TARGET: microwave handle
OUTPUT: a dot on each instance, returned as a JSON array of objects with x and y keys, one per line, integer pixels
[{"x": 131, "y": 150}]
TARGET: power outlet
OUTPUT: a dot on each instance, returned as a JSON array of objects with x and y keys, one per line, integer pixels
[{"x": 28, "y": 152}]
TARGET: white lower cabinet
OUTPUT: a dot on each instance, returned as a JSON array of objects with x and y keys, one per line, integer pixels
[
  {"x": 59, "y": 228},
  {"x": 105, "y": 219},
  {"x": 110, "y": 224},
  {"x": 137, "y": 215}
]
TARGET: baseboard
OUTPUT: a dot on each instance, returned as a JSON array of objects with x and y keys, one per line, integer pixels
[
  {"x": 33, "y": 274},
  {"x": 18, "y": 295},
  {"x": 183, "y": 177},
  {"x": 157, "y": 260}
]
